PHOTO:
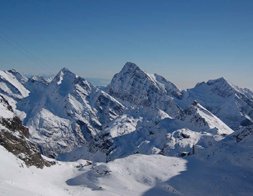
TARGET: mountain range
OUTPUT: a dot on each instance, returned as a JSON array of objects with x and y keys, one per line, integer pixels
[{"x": 138, "y": 117}]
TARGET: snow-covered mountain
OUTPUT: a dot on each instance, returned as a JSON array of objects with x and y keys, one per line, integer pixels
[
  {"x": 136, "y": 87},
  {"x": 140, "y": 135},
  {"x": 139, "y": 113},
  {"x": 233, "y": 105},
  {"x": 67, "y": 112},
  {"x": 154, "y": 120}
]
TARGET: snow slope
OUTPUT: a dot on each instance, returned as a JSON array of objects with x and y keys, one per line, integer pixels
[
  {"x": 134, "y": 175},
  {"x": 223, "y": 169},
  {"x": 233, "y": 105},
  {"x": 158, "y": 133},
  {"x": 204, "y": 120},
  {"x": 5, "y": 109},
  {"x": 127, "y": 176},
  {"x": 11, "y": 86}
]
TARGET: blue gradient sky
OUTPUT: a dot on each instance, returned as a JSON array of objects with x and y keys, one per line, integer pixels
[{"x": 184, "y": 40}]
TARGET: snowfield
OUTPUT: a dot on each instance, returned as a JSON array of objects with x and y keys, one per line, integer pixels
[{"x": 135, "y": 175}]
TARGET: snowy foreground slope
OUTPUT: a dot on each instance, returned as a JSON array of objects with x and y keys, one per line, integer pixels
[
  {"x": 128, "y": 176},
  {"x": 140, "y": 135},
  {"x": 134, "y": 175}
]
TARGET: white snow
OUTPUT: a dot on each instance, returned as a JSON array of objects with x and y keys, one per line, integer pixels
[
  {"x": 122, "y": 125},
  {"x": 10, "y": 85},
  {"x": 5, "y": 113},
  {"x": 132, "y": 175},
  {"x": 213, "y": 121},
  {"x": 229, "y": 103}
]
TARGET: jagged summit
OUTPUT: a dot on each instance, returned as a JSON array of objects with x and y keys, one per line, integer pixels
[
  {"x": 137, "y": 87},
  {"x": 218, "y": 80},
  {"x": 222, "y": 84},
  {"x": 130, "y": 70},
  {"x": 220, "y": 87},
  {"x": 130, "y": 67},
  {"x": 66, "y": 71},
  {"x": 64, "y": 74}
]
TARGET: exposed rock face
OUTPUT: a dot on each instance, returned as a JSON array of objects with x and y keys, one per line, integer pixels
[
  {"x": 245, "y": 132},
  {"x": 14, "y": 137},
  {"x": 132, "y": 85}
]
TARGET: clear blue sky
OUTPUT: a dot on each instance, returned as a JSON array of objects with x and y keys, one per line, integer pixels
[{"x": 184, "y": 40}]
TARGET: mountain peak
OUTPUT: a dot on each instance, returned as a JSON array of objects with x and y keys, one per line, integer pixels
[
  {"x": 127, "y": 73},
  {"x": 65, "y": 70},
  {"x": 220, "y": 80},
  {"x": 64, "y": 73},
  {"x": 222, "y": 86},
  {"x": 130, "y": 67},
  {"x": 133, "y": 85}
]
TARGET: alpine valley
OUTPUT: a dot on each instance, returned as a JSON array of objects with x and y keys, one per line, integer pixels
[{"x": 139, "y": 135}]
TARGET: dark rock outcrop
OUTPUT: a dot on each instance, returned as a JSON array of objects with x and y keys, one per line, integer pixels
[{"x": 14, "y": 137}]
